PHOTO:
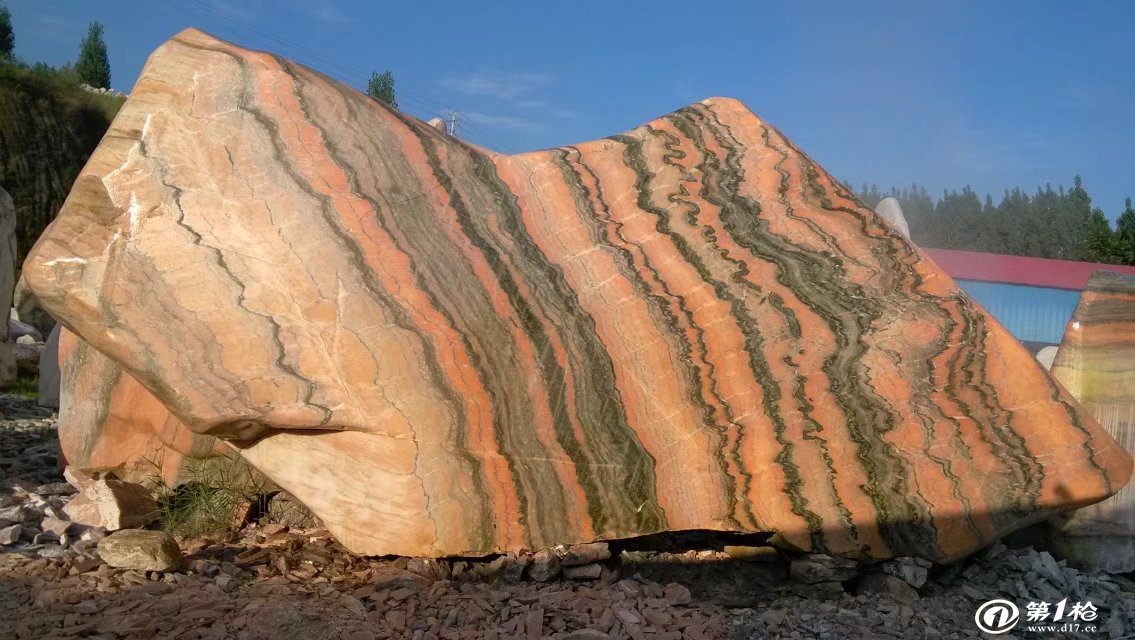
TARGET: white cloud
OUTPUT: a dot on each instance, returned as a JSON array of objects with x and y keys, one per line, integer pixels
[
  {"x": 504, "y": 122},
  {"x": 226, "y": 9},
  {"x": 329, "y": 12},
  {"x": 509, "y": 87}
]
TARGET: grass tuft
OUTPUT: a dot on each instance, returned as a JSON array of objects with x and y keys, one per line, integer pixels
[
  {"x": 215, "y": 498},
  {"x": 26, "y": 385}
]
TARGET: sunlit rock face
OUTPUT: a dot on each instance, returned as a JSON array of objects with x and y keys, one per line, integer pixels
[
  {"x": 110, "y": 422},
  {"x": 1096, "y": 363},
  {"x": 445, "y": 351}
]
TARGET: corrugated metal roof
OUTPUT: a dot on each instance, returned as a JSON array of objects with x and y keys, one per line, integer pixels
[
  {"x": 1038, "y": 272},
  {"x": 1031, "y": 314}
]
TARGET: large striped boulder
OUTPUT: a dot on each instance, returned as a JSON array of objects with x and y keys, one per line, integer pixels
[{"x": 446, "y": 351}]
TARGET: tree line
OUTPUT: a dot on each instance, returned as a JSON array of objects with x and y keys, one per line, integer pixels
[
  {"x": 1050, "y": 223},
  {"x": 92, "y": 66}
]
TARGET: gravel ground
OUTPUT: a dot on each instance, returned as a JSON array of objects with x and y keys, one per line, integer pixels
[{"x": 279, "y": 584}]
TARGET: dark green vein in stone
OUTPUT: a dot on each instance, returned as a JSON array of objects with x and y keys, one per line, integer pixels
[
  {"x": 660, "y": 305},
  {"x": 108, "y": 376},
  {"x": 635, "y": 158},
  {"x": 893, "y": 255},
  {"x": 494, "y": 373},
  {"x": 1027, "y": 471},
  {"x": 198, "y": 240},
  {"x": 820, "y": 283},
  {"x": 888, "y": 253},
  {"x": 612, "y": 467},
  {"x": 671, "y": 157},
  {"x": 710, "y": 167},
  {"x": 356, "y": 259}
]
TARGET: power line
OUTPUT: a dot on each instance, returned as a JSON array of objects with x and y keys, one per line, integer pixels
[
  {"x": 233, "y": 23},
  {"x": 334, "y": 68}
]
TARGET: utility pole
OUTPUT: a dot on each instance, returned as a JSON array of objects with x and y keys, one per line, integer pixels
[{"x": 453, "y": 122}]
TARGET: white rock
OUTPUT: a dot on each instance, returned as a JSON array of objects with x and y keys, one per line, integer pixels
[
  {"x": 93, "y": 534},
  {"x": 113, "y": 505},
  {"x": 78, "y": 478},
  {"x": 17, "y": 330},
  {"x": 55, "y": 525},
  {"x": 891, "y": 211},
  {"x": 11, "y": 534},
  {"x": 1047, "y": 356},
  {"x": 19, "y": 513}
]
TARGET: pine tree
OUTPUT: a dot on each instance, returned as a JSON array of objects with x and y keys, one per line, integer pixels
[
  {"x": 1052, "y": 223},
  {"x": 1100, "y": 244},
  {"x": 1125, "y": 233},
  {"x": 7, "y": 37},
  {"x": 381, "y": 87},
  {"x": 1073, "y": 223},
  {"x": 93, "y": 66}
]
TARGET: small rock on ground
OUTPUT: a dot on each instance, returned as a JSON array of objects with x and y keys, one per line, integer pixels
[{"x": 140, "y": 550}]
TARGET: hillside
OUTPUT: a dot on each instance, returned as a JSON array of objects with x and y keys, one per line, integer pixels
[{"x": 48, "y": 128}]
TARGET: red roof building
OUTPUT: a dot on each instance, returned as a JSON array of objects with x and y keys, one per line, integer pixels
[{"x": 1033, "y": 297}]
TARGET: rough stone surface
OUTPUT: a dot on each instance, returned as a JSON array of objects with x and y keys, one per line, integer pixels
[
  {"x": 578, "y": 554},
  {"x": 49, "y": 371},
  {"x": 10, "y": 534},
  {"x": 8, "y": 253},
  {"x": 1096, "y": 363},
  {"x": 110, "y": 422},
  {"x": 545, "y": 566},
  {"x": 112, "y": 505},
  {"x": 55, "y": 525},
  {"x": 445, "y": 351},
  {"x": 913, "y": 571},
  {"x": 884, "y": 583},
  {"x": 27, "y": 357},
  {"x": 286, "y": 510},
  {"x": 141, "y": 550},
  {"x": 891, "y": 211},
  {"x": 583, "y": 572},
  {"x": 822, "y": 568}
]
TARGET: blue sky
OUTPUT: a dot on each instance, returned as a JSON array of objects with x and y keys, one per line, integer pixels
[{"x": 991, "y": 94}]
